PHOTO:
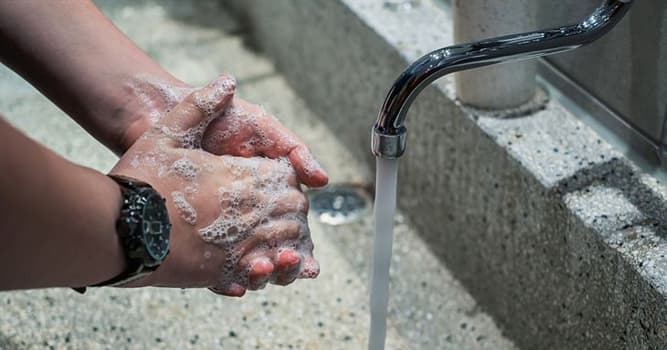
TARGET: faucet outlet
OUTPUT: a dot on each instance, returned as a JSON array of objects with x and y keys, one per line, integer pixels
[{"x": 390, "y": 146}]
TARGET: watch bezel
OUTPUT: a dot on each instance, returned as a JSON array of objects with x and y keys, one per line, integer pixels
[{"x": 152, "y": 200}]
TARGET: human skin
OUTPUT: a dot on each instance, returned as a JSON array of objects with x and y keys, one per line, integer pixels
[
  {"x": 269, "y": 224},
  {"x": 33, "y": 255},
  {"x": 86, "y": 66},
  {"x": 47, "y": 204},
  {"x": 77, "y": 58}
]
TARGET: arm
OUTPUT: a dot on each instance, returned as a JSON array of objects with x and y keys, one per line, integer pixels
[
  {"x": 57, "y": 219},
  {"x": 74, "y": 55}
]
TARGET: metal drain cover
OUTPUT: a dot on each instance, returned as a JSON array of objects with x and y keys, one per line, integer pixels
[{"x": 340, "y": 203}]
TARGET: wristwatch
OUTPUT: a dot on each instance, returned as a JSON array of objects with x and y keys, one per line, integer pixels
[{"x": 143, "y": 229}]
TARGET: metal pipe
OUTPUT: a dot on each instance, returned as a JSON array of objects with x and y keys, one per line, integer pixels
[
  {"x": 503, "y": 86},
  {"x": 389, "y": 132}
]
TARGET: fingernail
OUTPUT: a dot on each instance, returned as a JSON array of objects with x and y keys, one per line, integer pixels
[
  {"x": 311, "y": 164},
  {"x": 261, "y": 267},
  {"x": 288, "y": 259}
]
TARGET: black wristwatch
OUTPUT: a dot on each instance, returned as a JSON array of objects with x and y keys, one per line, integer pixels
[{"x": 143, "y": 230}]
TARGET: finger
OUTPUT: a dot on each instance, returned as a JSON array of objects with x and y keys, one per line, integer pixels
[
  {"x": 283, "y": 143},
  {"x": 309, "y": 170},
  {"x": 288, "y": 266},
  {"x": 310, "y": 268},
  {"x": 270, "y": 235},
  {"x": 275, "y": 172},
  {"x": 261, "y": 271},
  {"x": 294, "y": 202},
  {"x": 199, "y": 106},
  {"x": 275, "y": 233},
  {"x": 231, "y": 135},
  {"x": 249, "y": 131},
  {"x": 232, "y": 290}
]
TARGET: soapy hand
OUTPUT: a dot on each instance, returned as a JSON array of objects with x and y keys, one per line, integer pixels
[
  {"x": 238, "y": 222},
  {"x": 247, "y": 130},
  {"x": 242, "y": 129}
]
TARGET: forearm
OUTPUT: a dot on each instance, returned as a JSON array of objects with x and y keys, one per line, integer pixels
[
  {"x": 74, "y": 55},
  {"x": 57, "y": 219}
]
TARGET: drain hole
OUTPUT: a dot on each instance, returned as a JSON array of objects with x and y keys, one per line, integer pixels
[{"x": 340, "y": 203}]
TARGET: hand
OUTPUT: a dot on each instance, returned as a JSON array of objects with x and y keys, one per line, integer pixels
[
  {"x": 247, "y": 130},
  {"x": 238, "y": 222},
  {"x": 244, "y": 129}
]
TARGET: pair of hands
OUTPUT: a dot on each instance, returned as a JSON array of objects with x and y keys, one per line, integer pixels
[{"x": 230, "y": 173}]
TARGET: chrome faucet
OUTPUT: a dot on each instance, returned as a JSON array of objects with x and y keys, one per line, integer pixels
[{"x": 389, "y": 132}]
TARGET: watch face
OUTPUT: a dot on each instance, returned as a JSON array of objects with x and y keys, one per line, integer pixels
[{"x": 156, "y": 227}]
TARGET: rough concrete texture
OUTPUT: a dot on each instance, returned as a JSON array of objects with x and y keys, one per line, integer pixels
[
  {"x": 429, "y": 307},
  {"x": 553, "y": 231}
]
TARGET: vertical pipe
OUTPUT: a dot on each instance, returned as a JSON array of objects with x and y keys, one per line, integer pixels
[{"x": 500, "y": 87}]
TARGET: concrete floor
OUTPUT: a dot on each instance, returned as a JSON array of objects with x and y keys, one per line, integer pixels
[{"x": 429, "y": 308}]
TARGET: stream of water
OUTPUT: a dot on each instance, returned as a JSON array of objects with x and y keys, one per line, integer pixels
[{"x": 385, "y": 207}]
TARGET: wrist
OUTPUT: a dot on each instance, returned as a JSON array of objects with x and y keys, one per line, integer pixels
[
  {"x": 142, "y": 232},
  {"x": 140, "y": 103},
  {"x": 103, "y": 249}
]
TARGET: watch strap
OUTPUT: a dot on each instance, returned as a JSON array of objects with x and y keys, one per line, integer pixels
[{"x": 136, "y": 268}]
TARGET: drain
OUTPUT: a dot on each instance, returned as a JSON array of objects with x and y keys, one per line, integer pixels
[{"x": 340, "y": 203}]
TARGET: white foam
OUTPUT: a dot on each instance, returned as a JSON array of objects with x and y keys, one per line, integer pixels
[
  {"x": 243, "y": 212},
  {"x": 250, "y": 194},
  {"x": 185, "y": 209},
  {"x": 207, "y": 100},
  {"x": 156, "y": 96},
  {"x": 311, "y": 165},
  {"x": 185, "y": 168},
  {"x": 239, "y": 120}
]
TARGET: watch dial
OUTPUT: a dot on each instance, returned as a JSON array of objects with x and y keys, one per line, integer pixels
[{"x": 156, "y": 227}]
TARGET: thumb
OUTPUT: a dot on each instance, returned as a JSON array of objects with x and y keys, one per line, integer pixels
[{"x": 188, "y": 119}]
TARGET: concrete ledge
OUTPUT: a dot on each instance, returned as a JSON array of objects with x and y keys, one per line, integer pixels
[{"x": 553, "y": 231}]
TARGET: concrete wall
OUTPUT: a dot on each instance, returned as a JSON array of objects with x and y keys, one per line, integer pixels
[
  {"x": 558, "y": 236},
  {"x": 627, "y": 70}
]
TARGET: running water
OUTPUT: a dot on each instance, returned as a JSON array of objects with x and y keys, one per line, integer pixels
[{"x": 385, "y": 207}]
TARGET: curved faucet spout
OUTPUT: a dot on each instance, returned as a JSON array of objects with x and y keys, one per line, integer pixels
[{"x": 389, "y": 132}]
